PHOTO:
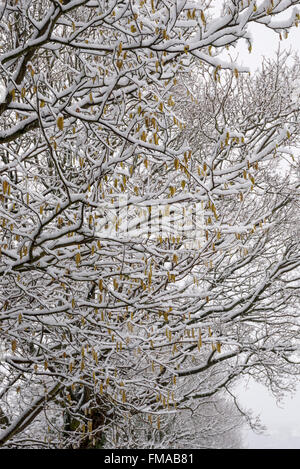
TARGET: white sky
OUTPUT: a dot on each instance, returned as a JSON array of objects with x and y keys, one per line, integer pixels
[
  {"x": 283, "y": 423},
  {"x": 266, "y": 43},
  {"x": 281, "y": 419}
]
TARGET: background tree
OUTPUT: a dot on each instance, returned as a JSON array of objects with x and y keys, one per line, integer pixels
[
  {"x": 98, "y": 329},
  {"x": 212, "y": 423}
]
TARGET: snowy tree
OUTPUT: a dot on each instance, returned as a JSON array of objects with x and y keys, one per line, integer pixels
[
  {"x": 103, "y": 324},
  {"x": 212, "y": 423}
]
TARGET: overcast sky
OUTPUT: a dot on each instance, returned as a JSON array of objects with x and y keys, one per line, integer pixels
[
  {"x": 266, "y": 43},
  {"x": 281, "y": 419},
  {"x": 283, "y": 423}
]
